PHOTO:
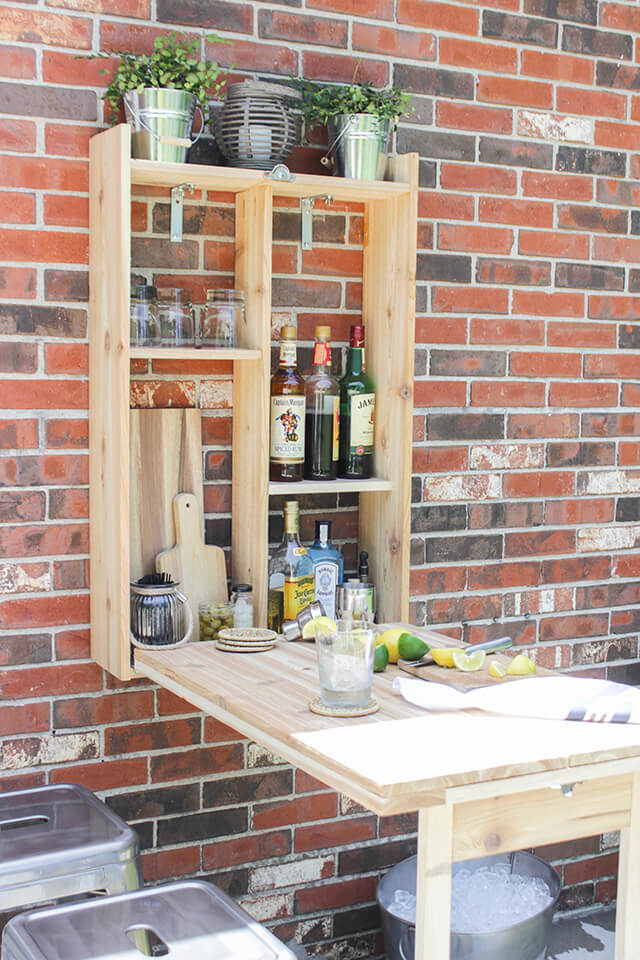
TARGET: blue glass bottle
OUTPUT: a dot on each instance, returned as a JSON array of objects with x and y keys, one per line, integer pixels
[{"x": 328, "y": 567}]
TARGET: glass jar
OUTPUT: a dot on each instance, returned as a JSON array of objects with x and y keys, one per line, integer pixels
[
  {"x": 221, "y": 319},
  {"x": 175, "y": 315},
  {"x": 242, "y": 605},
  {"x": 144, "y": 328},
  {"x": 214, "y": 616}
]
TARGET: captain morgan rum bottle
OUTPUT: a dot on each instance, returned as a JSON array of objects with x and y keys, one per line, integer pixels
[{"x": 286, "y": 454}]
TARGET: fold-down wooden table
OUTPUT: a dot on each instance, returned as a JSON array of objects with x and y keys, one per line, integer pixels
[{"x": 481, "y": 784}]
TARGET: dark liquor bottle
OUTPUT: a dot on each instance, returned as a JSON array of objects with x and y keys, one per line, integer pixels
[
  {"x": 323, "y": 412},
  {"x": 357, "y": 413},
  {"x": 291, "y": 586},
  {"x": 286, "y": 454}
]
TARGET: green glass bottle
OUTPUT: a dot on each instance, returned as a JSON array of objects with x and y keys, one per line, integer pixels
[{"x": 357, "y": 413}]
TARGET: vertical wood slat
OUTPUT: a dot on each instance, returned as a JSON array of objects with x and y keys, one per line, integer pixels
[
  {"x": 389, "y": 277},
  {"x": 250, "y": 461},
  {"x": 433, "y": 883},
  {"x": 110, "y": 267},
  {"x": 627, "y": 943}
]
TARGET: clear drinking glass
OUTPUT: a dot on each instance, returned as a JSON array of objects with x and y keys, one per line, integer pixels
[
  {"x": 222, "y": 316},
  {"x": 345, "y": 663},
  {"x": 175, "y": 315},
  {"x": 144, "y": 329}
]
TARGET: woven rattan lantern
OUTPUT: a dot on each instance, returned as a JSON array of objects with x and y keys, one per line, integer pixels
[{"x": 256, "y": 127}]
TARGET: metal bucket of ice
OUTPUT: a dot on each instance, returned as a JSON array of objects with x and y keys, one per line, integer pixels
[{"x": 523, "y": 940}]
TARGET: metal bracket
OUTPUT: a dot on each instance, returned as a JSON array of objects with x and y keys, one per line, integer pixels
[
  {"x": 566, "y": 789},
  {"x": 177, "y": 203},
  {"x": 306, "y": 206},
  {"x": 280, "y": 172}
]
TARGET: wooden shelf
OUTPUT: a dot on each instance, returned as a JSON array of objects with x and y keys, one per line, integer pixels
[
  {"x": 374, "y": 485},
  {"x": 388, "y": 284},
  {"x": 193, "y": 353}
]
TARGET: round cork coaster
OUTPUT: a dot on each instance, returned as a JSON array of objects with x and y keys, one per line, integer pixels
[{"x": 317, "y": 706}]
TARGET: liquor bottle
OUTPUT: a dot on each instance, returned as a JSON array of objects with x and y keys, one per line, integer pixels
[
  {"x": 286, "y": 455},
  {"x": 322, "y": 393},
  {"x": 357, "y": 413},
  {"x": 290, "y": 573},
  {"x": 363, "y": 567},
  {"x": 328, "y": 567}
]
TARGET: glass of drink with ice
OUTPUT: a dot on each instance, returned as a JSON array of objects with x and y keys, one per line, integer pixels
[{"x": 345, "y": 663}]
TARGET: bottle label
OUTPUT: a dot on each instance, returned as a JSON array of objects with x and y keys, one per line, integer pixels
[
  {"x": 298, "y": 594},
  {"x": 325, "y": 574},
  {"x": 288, "y": 353},
  {"x": 287, "y": 429},
  {"x": 336, "y": 427},
  {"x": 363, "y": 418},
  {"x": 322, "y": 354}
]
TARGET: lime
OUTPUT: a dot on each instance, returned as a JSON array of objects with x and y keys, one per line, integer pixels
[
  {"x": 311, "y": 627},
  {"x": 521, "y": 666},
  {"x": 390, "y": 639},
  {"x": 468, "y": 661},
  {"x": 411, "y": 647},
  {"x": 381, "y": 658},
  {"x": 443, "y": 656},
  {"x": 497, "y": 669}
]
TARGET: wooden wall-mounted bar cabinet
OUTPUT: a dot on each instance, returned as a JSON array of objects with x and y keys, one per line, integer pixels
[{"x": 388, "y": 311}]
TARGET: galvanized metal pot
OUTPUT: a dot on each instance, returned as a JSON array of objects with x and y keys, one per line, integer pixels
[
  {"x": 358, "y": 141},
  {"x": 162, "y": 122},
  {"x": 526, "y": 940}
]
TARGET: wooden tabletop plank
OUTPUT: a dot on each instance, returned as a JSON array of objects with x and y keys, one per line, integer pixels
[{"x": 395, "y": 760}]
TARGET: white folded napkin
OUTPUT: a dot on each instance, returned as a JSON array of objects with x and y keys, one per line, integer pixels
[{"x": 549, "y": 698}]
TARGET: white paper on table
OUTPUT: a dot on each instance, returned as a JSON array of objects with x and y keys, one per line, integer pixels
[{"x": 549, "y": 698}]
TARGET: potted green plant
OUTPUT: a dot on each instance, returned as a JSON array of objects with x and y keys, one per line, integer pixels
[
  {"x": 359, "y": 117},
  {"x": 160, "y": 92}
]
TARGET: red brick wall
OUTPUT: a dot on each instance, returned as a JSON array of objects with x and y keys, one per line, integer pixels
[{"x": 526, "y": 489}]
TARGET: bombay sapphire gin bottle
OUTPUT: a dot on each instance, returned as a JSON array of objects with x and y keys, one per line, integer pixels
[{"x": 328, "y": 567}]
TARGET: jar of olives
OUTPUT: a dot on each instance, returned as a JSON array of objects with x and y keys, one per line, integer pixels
[{"x": 214, "y": 616}]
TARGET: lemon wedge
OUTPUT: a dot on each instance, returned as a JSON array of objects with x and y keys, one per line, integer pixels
[
  {"x": 469, "y": 661},
  {"x": 497, "y": 669},
  {"x": 443, "y": 656},
  {"x": 311, "y": 627},
  {"x": 521, "y": 666}
]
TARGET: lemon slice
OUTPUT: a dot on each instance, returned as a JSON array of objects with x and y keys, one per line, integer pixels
[
  {"x": 443, "y": 656},
  {"x": 469, "y": 661},
  {"x": 521, "y": 666},
  {"x": 311, "y": 627},
  {"x": 497, "y": 669}
]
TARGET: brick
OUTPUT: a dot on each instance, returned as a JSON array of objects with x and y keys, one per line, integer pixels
[
  {"x": 610, "y": 425},
  {"x": 583, "y": 394},
  {"x": 17, "y": 207},
  {"x": 513, "y": 272},
  {"x": 540, "y": 303},
  {"x": 624, "y": 249},
  {"x": 334, "y": 67},
  {"x": 553, "y": 126},
  {"x": 197, "y": 763},
  {"x": 611, "y": 365},
  {"x": 146, "y": 394},
  {"x": 599, "y": 43},
  {"x": 49, "y": 611},
  {"x": 18, "y": 357},
  {"x": 26, "y": 245},
  {"x": 629, "y": 337},
  {"x": 67, "y": 433},
  {"x": 322, "y": 806},
  {"x": 19, "y": 136},
  {"x": 436, "y": 518},
  {"x": 294, "y": 292},
  {"x": 450, "y": 488},
  {"x": 338, "y": 894},
  {"x": 506, "y": 26},
  {"x": 539, "y": 543},
  {"x": 517, "y": 153},
  {"x": 504, "y": 575},
  {"x": 447, "y": 206},
  {"x": 45, "y": 394},
  {"x": 464, "y": 300},
  {"x": 327, "y": 835},
  {"x": 439, "y": 459},
  {"x": 595, "y": 219},
  {"x": 477, "y": 55},
  {"x": 66, "y": 211},
  {"x": 582, "y": 11},
  {"x": 440, "y": 145},
  {"x": 19, "y": 577},
  {"x": 409, "y": 44},
  {"x": 67, "y": 285},
  {"x": 18, "y": 283},
  {"x": 104, "y": 774},
  {"x": 544, "y": 484},
  {"x": 379, "y": 9},
  {"x": 517, "y": 212},
  {"x": 484, "y": 363},
  {"x": 525, "y": 93},
  {"x": 590, "y": 103},
  {"x": 429, "y": 81},
  {"x": 71, "y": 575},
  {"x": 459, "y": 549},
  {"x": 545, "y": 243},
  {"x": 236, "y": 17},
  {"x": 457, "y": 176},
  {"x": 557, "y": 186},
  {"x": 282, "y": 25},
  {"x": 580, "y": 335},
  {"x": 439, "y": 393},
  {"x": 35, "y": 26},
  {"x": 506, "y": 456},
  {"x": 465, "y": 426},
  {"x": 169, "y": 864},
  {"x": 446, "y": 269},
  {"x": 69, "y": 504},
  {"x": 42, "y": 321},
  {"x": 529, "y": 364},
  {"x": 48, "y": 101},
  {"x": 250, "y": 849},
  {"x": 236, "y": 790},
  {"x": 335, "y": 262},
  {"x": 586, "y": 160},
  {"x": 48, "y": 749},
  {"x": 437, "y": 580},
  {"x": 579, "y": 511},
  {"x": 111, "y": 708},
  {"x": 594, "y": 276},
  {"x": 31, "y": 718},
  {"x": 625, "y": 192},
  {"x": 507, "y": 393},
  {"x": 617, "y": 135},
  {"x": 20, "y": 506},
  {"x": 249, "y": 55},
  {"x": 481, "y": 239},
  {"x": 441, "y": 330},
  {"x": 555, "y": 66},
  {"x": 437, "y": 16},
  {"x": 17, "y": 62},
  {"x": 18, "y": 435}
]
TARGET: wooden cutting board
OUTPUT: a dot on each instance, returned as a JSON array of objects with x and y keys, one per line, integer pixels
[
  {"x": 165, "y": 459},
  {"x": 198, "y": 567},
  {"x": 458, "y": 678}
]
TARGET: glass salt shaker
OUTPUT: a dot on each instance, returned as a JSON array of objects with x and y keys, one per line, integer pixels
[
  {"x": 223, "y": 315},
  {"x": 242, "y": 605},
  {"x": 175, "y": 314},
  {"x": 144, "y": 328}
]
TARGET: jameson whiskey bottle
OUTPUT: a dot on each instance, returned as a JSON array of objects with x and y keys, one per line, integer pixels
[
  {"x": 286, "y": 455},
  {"x": 290, "y": 573},
  {"x": 322, "y": 393},
  {"x": 357, "y": 413}
]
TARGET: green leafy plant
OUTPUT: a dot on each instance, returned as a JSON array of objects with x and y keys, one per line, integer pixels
[
  {"x": 321, "y": 104},
  {"x": 173, "y": 64}
]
